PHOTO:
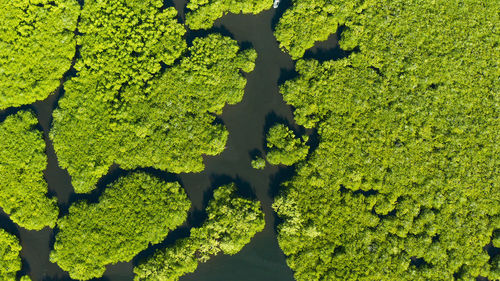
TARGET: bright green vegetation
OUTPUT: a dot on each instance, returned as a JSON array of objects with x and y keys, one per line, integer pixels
[
  {"x": 37, "y": 44},
  {"x": 404, "y": 184},
  {"x": 283, "y": 147},
  {"x": 309, "y": 21},
  {"x": 23, "y": 191},
  {"x": 104, "y": 115},
  {"x": 258, "y": 163},
  {"x": 232, "y": 222},
  {"x": 203, "y": 13},
  {"x": 124, "y": 43},
  {"x": 132, "y": 213},
  {"x": 121, "y": 109},
  {"x": 496, "y": 239},
  {"x": 10, "y": 261}
]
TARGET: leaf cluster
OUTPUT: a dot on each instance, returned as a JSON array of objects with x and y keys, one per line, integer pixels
[
  {"x": 258, "y": 163},
  {"x": 37, "y": 44},
  {"x": 10, "y": 261},
  {"x": 283, "y": 147},
  {"x": 125, "y": 42},
  {"x": 309, "y": 21},
  {"x": 232, "y": 222},
  {"x": 135, "y": 211},
  {"x": 122, "y": 110},
  {"x": 23, "y": 192},
  {"x": 203, "y": 13}
]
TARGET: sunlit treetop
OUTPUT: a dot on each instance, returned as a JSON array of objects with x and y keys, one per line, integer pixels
[
  {"x": 125, "y": 42},
  {"x": 37, "y": 44},
  {"x": 403, "y": 184},
  {"x": 258, "y": 163},
  {"x": 10, "y": 261},
  {"x": 283, "y": 147},
  {"x": 133, "y": 212},
  {"x": 232, "y": 221},
  {"x": 211, "y": 76},
  {"x": 306, "y": 22},
  {"x": 168, "y": 124},
  {"x": 23, "y": 190},
  {"x": 231, "y": 224},
  {"x": 203, "y": 13}
]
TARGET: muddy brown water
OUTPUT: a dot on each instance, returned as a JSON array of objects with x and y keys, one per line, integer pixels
[{"x": 262, "y": 105}]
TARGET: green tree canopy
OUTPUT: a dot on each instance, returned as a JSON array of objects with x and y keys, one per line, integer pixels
[
  {"x": 203, "y": 13},
  {"x": 23, "y": 191},
  {"x": 258, "y": 163},
  {"x": 37, "y": 44},
  {"x": 125, "y": 42},
  {"x": 232, "y": 222},
  {"x": 283, "y": 147},
  {"x": 10, "y": 261},
  {"x": 133, "y": 212},
  {"x": 121, "y": 110},
  {"x": 404, "y": 183},
  {"x": 309, "y": 21}
]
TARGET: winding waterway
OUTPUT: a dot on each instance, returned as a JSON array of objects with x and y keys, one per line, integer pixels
[{"x": 246, "y": 121}]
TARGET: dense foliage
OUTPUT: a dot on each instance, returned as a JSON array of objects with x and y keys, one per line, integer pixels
[
  {"x": 22, "y": 161},
  {"x": 404, "y": 184},
  {"x": 10, "y": 261},
  {"x": 309, "y": 21},
  {"x": 121, "y": 110},
  {"x": 203, "y": 13},
  {"x": 133, "y": 212},
  {"x": 283, "y": 147},
  {"x": 124, "y": 43},
  {"x": 258, "y": 163},
  {"x": 37, "y": 44},
  {"x": 232, "y": 222}
]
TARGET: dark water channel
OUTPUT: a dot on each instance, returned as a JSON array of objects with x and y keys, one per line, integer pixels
[{"x": 261, "y": 106}]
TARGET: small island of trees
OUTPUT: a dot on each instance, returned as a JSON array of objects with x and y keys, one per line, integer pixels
[
  {"x": 121, "y": 110},
  {"x": 232, "y": 221}
]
